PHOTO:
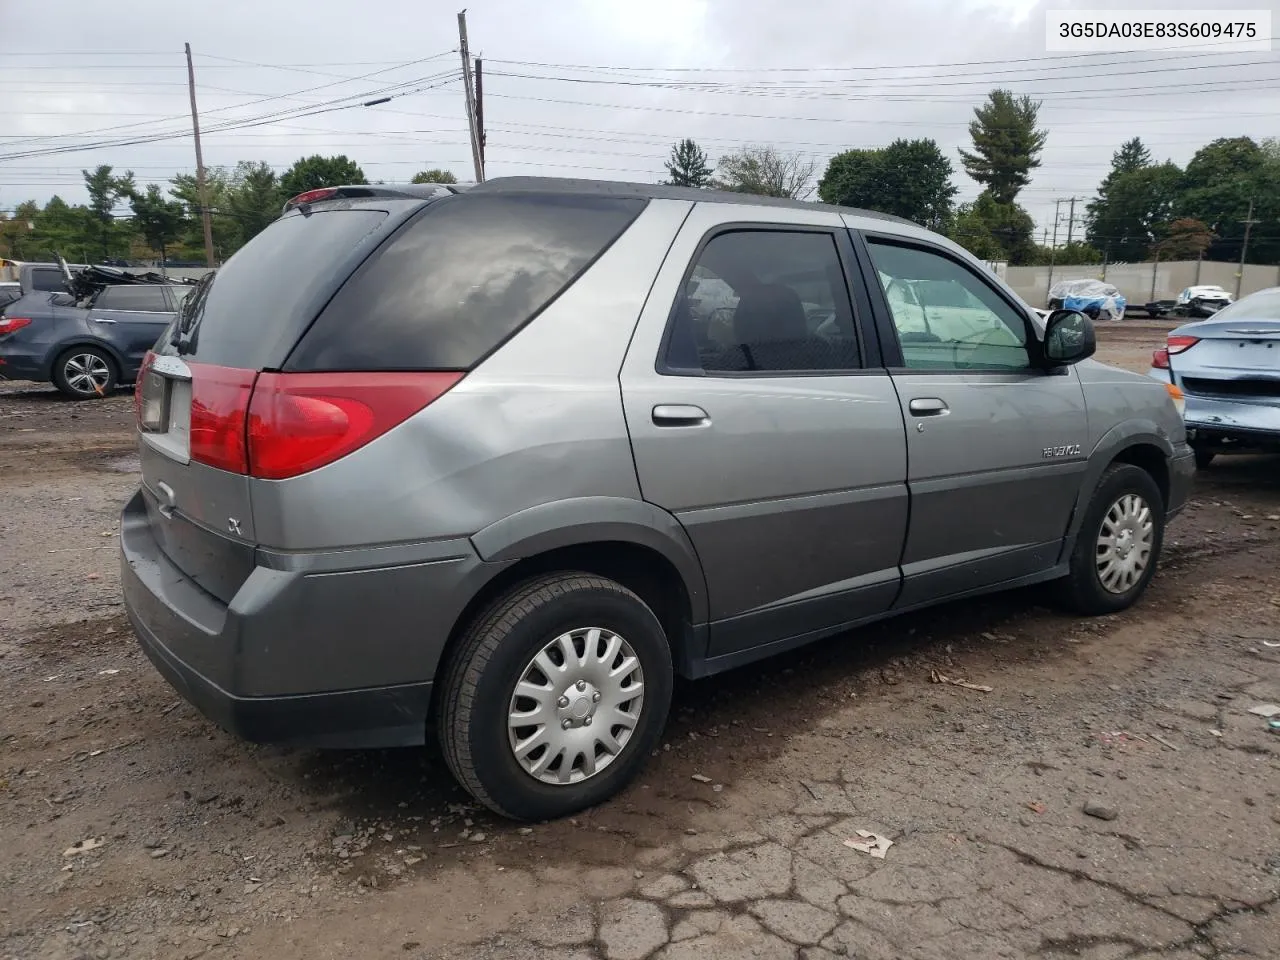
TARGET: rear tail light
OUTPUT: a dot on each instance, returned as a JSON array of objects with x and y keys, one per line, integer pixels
[
  {"x": 279, "y": 425},
  {"x": 12, "y": 324},
  {"x": 1179, "y": 401},
  {"x": 301, "y": 421},
  {"x": 219, "y": 408},
  {"x": 1173, "y": 346},
  {"x": 139, "y": 386}
]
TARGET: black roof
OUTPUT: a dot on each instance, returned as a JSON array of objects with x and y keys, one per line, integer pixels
[
  {"x": 648, "y": 191},
  {"x": 662, "y": 191}
]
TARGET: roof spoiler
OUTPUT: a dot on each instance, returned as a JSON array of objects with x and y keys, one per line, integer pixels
[{"x": 415, "y": 191}]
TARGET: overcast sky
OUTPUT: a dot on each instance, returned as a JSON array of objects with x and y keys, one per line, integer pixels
[{"x": 569, "y": 87}]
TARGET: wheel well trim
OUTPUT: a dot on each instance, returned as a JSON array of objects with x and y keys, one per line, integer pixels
[
  {"x": 1123, "y": 437},
  {"x": 583, "y": 521}
]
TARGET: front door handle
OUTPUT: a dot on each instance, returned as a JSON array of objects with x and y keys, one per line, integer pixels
[
  {"x": 679, "y": 415},
  {"x": 928, "y": 407},
  {"x": 102, "y": 320}
]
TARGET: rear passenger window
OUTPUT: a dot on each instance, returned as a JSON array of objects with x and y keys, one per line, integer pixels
[
  {"x": 137, "y": 298},
  {"x": 460, "y": 279},
  {"x": 763, "y": 301},
  {"x": 49, "y": 280}
]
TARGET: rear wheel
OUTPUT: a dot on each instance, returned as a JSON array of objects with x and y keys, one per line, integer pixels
[
  {"x": 1118, "y": 545},
  {"x": 555, "y": 697},
  {"x": 85, "y": 373}
]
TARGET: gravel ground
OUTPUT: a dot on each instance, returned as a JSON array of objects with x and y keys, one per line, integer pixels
[{"x": 131, "y": 827}]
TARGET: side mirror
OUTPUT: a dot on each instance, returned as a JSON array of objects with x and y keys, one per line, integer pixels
[{"x": 1068, "y": 338}]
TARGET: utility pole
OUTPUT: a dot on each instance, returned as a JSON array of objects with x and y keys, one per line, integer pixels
[
  {"x": 202, "y": 190},
  {"x": 1071, "y": 221},
  {"x": 1244, "y": 247},
  {"x": 1053, "y": 251},
  {"x": 470, "y": 92},
  {"x": 480, "y": 109}
]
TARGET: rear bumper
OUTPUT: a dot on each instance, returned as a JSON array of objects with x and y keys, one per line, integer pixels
[
  {"x": 330, "y": 650},
  {"x": 1252, "y": 424},
  {"x": 19, "y": 364}
]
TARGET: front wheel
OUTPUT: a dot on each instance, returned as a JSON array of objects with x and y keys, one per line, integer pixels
[
  {"x": 85, "y": 373},
  {"x": 1118, "y": 545},
  {"x": 556, "y": 695}
]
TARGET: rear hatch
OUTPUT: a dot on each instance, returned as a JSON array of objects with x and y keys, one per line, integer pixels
[
  {"x": 331, "y": 327},
  {"x": 1234, "y": 357},
  {"x": 192, "y": 396}
]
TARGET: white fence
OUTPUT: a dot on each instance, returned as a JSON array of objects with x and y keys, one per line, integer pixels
[{"x": 1143, "y": 282}]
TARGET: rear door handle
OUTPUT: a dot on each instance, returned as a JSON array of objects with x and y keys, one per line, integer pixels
[
  {"x": 102, "y": 320},
  {"x": 928, "y": 407},
  {"x": 679, "y": 415}
]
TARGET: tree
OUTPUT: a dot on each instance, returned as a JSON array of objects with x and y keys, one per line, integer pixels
[
  {"x": 689, "y": 165},
  {"x": 1183, "y": 239},
  {"x": 158, "y": 219},
  {"x": 1131, "y": 156},
  {"x": 435, "y": 175},
  {"x": 314, "y": 172},
  {"x": 995, "y": 231},
  {"x": 1223, "y": 179},
  {"x": 217, "y": 183},
  {"x": 908, "y": 178},
  {"x": 763, "y": 170},
  {"x": 1130, "y": 206},
  {"x": 106, "y": 190},
  {"x": 1006, "y": 144},
  {"x": 251, "y": 201}
]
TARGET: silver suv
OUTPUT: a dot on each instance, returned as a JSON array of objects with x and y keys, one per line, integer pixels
[{"x": 471, "y": 460}]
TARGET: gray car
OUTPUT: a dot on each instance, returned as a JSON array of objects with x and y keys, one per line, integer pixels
[
  {"x": 469, "y": 461},
  {"x": 1228, "y": 369},
  {"x": 85, "y": 348}
]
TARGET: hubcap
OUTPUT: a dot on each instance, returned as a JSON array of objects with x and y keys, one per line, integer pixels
[
  {"x": 575, "y": 706},
  {"x": 86, "y": 372},
  {"x": 1124, "y": 543}
]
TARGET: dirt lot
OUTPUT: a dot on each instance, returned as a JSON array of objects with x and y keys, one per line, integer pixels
[{"x": 130, "y": 827}]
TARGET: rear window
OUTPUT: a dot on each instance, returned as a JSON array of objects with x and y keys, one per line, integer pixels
[
  {"x": 252, "y": 310},
  {"x": 461, "y": 278},
  {"x": 1264, "y": 305},
  {"x": 47, "y": 280}
]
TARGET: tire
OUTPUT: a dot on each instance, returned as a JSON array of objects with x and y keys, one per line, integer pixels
[
  {"x": 1083, "y": 590},
  {"x": 85, "y": 373},
  {"x": 478, "y": 695},
  {"x": 1204, "y": 457}
]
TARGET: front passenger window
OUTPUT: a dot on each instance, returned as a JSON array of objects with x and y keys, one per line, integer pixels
[{"x": 946, "y": 317}]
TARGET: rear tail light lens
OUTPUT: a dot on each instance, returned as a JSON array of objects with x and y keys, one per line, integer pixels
[
  {"x": 1180, "y": 344},
  {"x": 13, "y": 324},
  {"x": 301, "y": 421},
  {"x": 219, "y": 408},
  {"x": 1160, "y": 359},
  {"x": 279, "y": 425},
  {"x": 148, "y": 418}
]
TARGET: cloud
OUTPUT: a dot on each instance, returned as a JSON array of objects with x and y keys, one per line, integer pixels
[{"x": 857, "y": 75}]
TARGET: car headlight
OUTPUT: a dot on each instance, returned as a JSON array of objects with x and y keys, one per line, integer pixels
[{"x": 1179, "y": 401}]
